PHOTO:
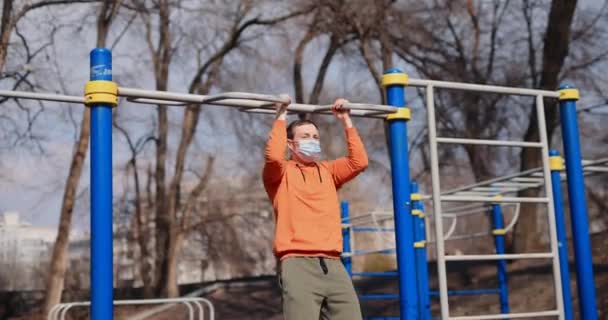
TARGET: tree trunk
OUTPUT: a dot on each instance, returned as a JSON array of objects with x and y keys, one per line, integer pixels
[
  {"x": 59, "y": 259},
  {"x": 334, "y": 45},
  {"x": 163, "y": 220},
  {"x": 5, "y": 30},
  {"x": 142, "y": 235},
  {"x": 180, "y": 229},
  {"x": 171, "y": 286},
  {"x": 528, "y": 231}
]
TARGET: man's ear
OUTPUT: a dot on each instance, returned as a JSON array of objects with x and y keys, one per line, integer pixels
[{"x": 290, "y": 144}]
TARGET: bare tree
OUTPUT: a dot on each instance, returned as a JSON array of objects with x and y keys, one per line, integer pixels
[
  {"x": 12, "y": 13},
  {"x": 208, "y": 71},
  {"x": 465, "y": 41},
  {"x": 172, "y": 209},
  {"x": 555, "y": 50},
  {"x": 139, "y": 233},
  {"x": 59, "y": 259},
  {"x": 162, "y": 53}
]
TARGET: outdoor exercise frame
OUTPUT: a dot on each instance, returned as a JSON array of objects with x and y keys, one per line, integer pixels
[{"x": 101, "y": 96}]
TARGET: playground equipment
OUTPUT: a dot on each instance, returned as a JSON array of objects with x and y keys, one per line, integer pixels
[
  {"x": 193, "y": 305},
  {"x": 408, "y": 214},
  {"x": 379, "y": 224},
  {"x": 101, "y": 95}
]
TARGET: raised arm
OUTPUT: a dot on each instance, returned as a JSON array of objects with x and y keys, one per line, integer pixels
[
  {"x": 274, "y": 154},
  {"x": 346, "y": 168}
]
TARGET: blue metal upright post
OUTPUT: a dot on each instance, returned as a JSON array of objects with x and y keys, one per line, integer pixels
[
  {"x": 557, "y": 166},
  {"x": 99, "y": 99},
  {"x": 578, "y": 203},
  {"x": 501, "y": 265},
  {"x": 347, "y": 260},
  {"x": 424, "y": 298},
  {"x": 395, "y": 81}
]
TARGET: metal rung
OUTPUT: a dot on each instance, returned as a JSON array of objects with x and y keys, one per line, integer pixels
[
  {"x": 493, "y": 199},
  {"x": 476, "y": 292},
  {"x": 509, "y": 315},
  {"x": 495, "y": 189},
  {"x": 476, "y": 193},
  {"x": 528, "y": 179},
  {"x": 540, "y": 174},
  {"x": 379, "y": 296},
  {"x": 596, "y": 169},
  {"x": 383, "y": 251},
  {"x": 503, "y": 143},
  {"x": 482, "y": 257},
  {"x": 516, "y": 184}
]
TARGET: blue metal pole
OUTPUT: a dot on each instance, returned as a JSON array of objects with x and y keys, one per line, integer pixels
[
  {"x": 101, "y": 193},
  {"x": 556, "y": 164},
  {"x": 474, "y": 292},
  {"x": 578, "y": 203},
  {"x": 499, "y": 242},
  {"x": 424, "y": 300},
  {"x": 346, "y": 238},
  {"x": 395, "y": 81}
]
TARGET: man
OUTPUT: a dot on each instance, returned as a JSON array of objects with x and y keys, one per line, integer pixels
[{"x": 308, "y": 234}]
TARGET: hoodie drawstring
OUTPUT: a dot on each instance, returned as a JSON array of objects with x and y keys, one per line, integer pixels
[{"x": 319, "y": 171}]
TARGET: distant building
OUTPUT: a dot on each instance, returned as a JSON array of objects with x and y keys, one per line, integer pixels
[
  {"x": 24, "y": 250},
  {"x": 206, "y": 254}
]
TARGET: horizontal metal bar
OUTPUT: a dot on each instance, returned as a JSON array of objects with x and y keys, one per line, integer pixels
[
  {"x": 475, "y": 194},
  {"x": 502, "y": 143},
  {"x": 475, "y": 292},
  {"x": 379, "y": 296},
  {"x": 228, "y": 96},
  {"x": 482, "y": 88},
  {"x": 596, "y": 169},
  {"x": 528, "y": 179},
  {"x": 248, "y": 102},
  {"x": 494, "y": 181},
  {"x": 298, "y": 108},
  {"x": 379, "y": 109},
  {"x": 495, "y": 189},
  {"x": 599, "y": 161},
  {"x": 156, "y": 101},
  {"x": 363, "y": 252},
  {"x": 41, "y": 96},
  {"x": 516, "y": 184},
  {"x": 372, "y": 215},
  {"x": 134, "y": 93},
  {"x": 493, "y": 199},
  {"x": 484, "y": 257},
  {"x": 509, "y": 315},
  {"x": 376, "y": 274}
]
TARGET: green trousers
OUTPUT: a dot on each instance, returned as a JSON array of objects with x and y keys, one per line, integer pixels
[{"x": 317, "y": 288}]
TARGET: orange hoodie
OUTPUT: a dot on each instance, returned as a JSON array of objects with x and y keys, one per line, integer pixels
[{"x": 305, "y": 198}]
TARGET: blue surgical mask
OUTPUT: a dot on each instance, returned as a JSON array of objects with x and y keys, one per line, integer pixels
[{"x": 309, "y": 149}]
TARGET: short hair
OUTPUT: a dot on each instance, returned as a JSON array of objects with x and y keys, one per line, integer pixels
[{"x": 297, "y": 123}]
